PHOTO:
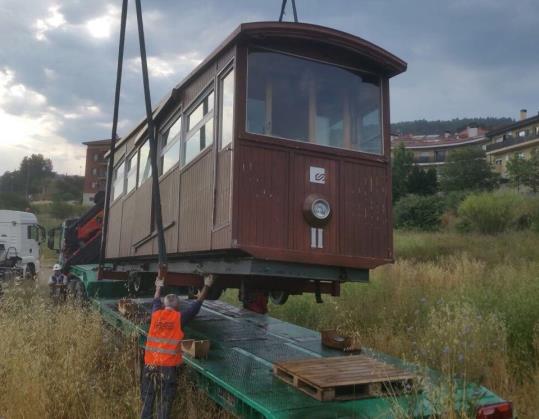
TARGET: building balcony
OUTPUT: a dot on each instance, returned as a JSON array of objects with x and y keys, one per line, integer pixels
[{"x": 511, "y": 142}]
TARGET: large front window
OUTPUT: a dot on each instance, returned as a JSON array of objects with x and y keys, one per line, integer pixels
[{"x": 304, "y": 100}]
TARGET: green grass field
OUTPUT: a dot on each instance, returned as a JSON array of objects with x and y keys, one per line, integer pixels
[{"x": 467, "y": 305}]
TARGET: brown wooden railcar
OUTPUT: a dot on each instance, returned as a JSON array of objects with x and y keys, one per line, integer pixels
[{"x": 274, "y": 158}]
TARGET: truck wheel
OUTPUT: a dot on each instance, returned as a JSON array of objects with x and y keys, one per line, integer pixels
[
  {"x": 30, "y": 271},
  {"x": 278, "y": 297},
  {"x": 76, "y": 290}
]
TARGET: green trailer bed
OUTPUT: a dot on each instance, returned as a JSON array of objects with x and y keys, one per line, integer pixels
[{"x": 238, "y": 371}]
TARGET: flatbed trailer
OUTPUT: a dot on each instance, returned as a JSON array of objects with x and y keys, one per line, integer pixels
[{"x": 238, "y": 375}]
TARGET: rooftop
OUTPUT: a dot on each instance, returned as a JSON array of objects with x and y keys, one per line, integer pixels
[
  {"x": 97, "y": 142},
  {"x": 467, "y": 136}
]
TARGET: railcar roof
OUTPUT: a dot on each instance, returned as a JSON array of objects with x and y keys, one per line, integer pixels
[{"x": 389, "y": 64}]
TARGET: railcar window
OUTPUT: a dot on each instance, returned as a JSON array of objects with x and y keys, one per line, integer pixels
[
  {"x": 227, "y": 108},
  {"x": 144, "y": 167},
  {"x": 131, "y": 170},
  {"x": 170, "y": 146},
  {"x": 304, "y": 100},
  {"x": 199, "y": 129},
  {"x": 119, "y": 181}
]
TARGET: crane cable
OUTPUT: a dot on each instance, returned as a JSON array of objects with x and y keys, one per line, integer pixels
[
  {"x": 283, "y": 6},
  {"x": 152, "y": 139}
]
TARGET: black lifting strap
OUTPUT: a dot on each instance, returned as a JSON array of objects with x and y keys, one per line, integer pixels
[
  {"x": 283, "y": 6},
  {"x": 156, "y": 196}
]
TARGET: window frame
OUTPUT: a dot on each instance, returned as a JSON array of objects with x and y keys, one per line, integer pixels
[
  {"x": 136, "y": 156},
  {"x": 230, "y": 68},
  {"x": 188, "y": 131},
  {"x": 385, "y": 150},
  {"x": 178, "y": 115},
  {"x": 140, "y": 180},
  {"x": 114, "y": 178}
]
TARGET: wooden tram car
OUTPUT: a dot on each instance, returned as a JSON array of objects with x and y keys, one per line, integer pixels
[{"x": 274, "y": 165}]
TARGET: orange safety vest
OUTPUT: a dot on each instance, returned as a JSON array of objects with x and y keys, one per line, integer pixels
[{"x": 164, "y": 339}]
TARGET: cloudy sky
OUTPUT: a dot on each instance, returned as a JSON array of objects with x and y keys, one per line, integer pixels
[{"x": 57, "y": 60}]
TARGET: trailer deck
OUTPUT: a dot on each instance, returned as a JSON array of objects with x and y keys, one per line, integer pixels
[{"x": 238, "y": 371}]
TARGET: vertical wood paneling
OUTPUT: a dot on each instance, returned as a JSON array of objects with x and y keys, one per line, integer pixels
[
  {"x": 170, "y": 194},
  {"x": 222, "y": 189},
  {"x": 302, "y": 188},
  {"x": 263, "y": 207},
  {"x": 222, "y": 229},
  {"x": 143, "y": 214},
  {"x": 114, "y": 230},
  {"x": 196, "y": 196},
  {"x": 128, "y": 226},
  {"x": 365, "y": 216}
]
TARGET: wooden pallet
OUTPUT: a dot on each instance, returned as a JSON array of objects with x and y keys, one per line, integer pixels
[{"x": 344, "y": 377}]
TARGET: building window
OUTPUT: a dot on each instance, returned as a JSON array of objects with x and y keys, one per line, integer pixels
[
  {"x": 96, "y": 156},
  {"x": 131, "y": 170},
  {"x": 94, "y": 185},
  {"x": 199, "y": 129},
  {"x": 94, "y": 171},
  {"x": 522, "y": 134},
  {"x": 519, "y": 155},
  {"x": 304, "y": 100},
  {"x": 227, "y": 109},
  {"x": 170, "y": 146},
  {"x": 144, "y": 166},
  {"x": 119, "y": 181},
  {"x": 498, "y": 162},
  {"x": 440, "y": 155}
]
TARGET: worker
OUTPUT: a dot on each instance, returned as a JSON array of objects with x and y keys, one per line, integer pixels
[
  {"x": 254, "y": 300},
  {"x": 163, "y": 357},
  {"x": 57, "y": 280}
]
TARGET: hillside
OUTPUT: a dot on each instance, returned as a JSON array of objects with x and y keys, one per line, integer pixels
[{"x": 424, "y": 127}]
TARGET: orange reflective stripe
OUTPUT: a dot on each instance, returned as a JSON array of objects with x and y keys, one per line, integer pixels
[{"x": 164, "y": 338}]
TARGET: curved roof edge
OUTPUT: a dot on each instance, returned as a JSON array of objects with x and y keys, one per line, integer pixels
[{"x": 389, "y": 62}]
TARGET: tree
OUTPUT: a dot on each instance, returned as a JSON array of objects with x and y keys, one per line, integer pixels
[
  {"x": 401, "y": 166},
  {"x": 422, "y": 182},
  {"x": 467, "y": 169},
  {"x": 35, "y": 170},
  {"x": 13, "y": 201},
  {"x": 525, "y": 171}
]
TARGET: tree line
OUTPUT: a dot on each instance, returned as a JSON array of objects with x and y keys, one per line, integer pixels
[
  {"x": 439, "y": 127},
  {"x": 34, "y": 180}
]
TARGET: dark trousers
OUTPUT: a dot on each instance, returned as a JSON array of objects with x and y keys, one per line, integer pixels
[{"x": 159, "y": 385}]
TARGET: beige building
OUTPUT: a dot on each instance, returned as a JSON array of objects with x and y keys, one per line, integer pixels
[
  {"x": 517, "y": 139},
  {"x": 432, "y": 150}
]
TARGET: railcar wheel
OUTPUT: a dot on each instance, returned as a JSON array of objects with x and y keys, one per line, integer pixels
[{"x": 278, "y": 297}]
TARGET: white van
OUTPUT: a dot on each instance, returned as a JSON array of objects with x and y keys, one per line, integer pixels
[{"x": 21, "y": 235}]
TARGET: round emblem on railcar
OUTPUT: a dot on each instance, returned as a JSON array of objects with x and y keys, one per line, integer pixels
[{"x": 316, "y": 210}]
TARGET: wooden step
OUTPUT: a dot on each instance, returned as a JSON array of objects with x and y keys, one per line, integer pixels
[{"x": 344, "y": 377}]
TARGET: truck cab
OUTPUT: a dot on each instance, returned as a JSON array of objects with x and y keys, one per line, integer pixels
[{"x": 21, "y": 236}]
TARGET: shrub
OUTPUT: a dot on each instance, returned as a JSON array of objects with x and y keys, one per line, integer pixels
[
  {"x": 491, "y": 213},
  {"x": 419, "y": 212},
  {"x": 13, "y": 201}
]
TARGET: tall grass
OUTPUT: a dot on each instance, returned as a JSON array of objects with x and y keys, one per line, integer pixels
[
  {"x": 467, "y": 305},
  {"x": 62, "y": 362}
]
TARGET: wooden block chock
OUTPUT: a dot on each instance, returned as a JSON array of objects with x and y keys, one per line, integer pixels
[
  {"x": 127, "y": 307},
  {"x": 198, "y": 349},
  {"x": 333, "y": 339}
]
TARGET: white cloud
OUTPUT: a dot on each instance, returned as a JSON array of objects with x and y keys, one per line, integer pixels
[
  {"x": 101, "y": 27},
  {"x": 167, "y": 66},
  {"x": 54, "y": 20},
  {"x": 36, "y": 130}
]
